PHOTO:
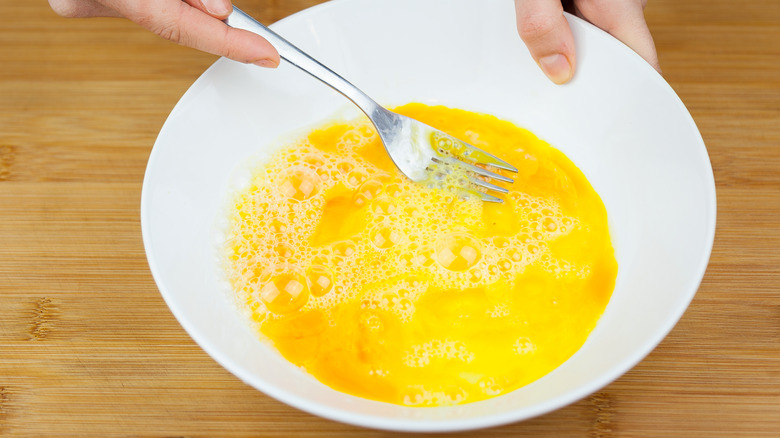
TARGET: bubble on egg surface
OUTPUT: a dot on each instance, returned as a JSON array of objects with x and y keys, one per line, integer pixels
[
  {"x": 299, "y": 183},
  {"x": 344, "y": 249},
  {"x": 284, "y": 290},
  {"x": 457, "y": 251},
  {"x": 385, "y": 236},
  {"x": 320, "y": 280}
]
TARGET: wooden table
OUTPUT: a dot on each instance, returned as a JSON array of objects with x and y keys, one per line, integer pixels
[{"x": 87, "y": 345}]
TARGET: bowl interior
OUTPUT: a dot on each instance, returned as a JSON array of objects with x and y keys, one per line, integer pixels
[{"x": 617, "y": 120}]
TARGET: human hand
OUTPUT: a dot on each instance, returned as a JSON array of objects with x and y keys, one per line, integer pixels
[
  {"x": 546, "y": 32},
  {"x": 192, "y": 23}
]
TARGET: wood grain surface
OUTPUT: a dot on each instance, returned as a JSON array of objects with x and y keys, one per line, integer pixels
[{"x": 88, "y": 347}]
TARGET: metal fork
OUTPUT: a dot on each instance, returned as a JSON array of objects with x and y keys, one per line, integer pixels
[{"x": 422, "y": 153}]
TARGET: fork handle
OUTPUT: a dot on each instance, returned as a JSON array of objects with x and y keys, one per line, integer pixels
[{"x": 297, "y": 57}]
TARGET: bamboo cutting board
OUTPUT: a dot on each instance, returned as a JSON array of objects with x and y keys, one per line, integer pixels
[{"x": 88, "y": 347}]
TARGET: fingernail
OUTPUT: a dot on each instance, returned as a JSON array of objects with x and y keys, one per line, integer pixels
[
  {"x": 556, "y": 67},
  {"x": 216, "y": 7},
  {"x": 267, "y": 63}
]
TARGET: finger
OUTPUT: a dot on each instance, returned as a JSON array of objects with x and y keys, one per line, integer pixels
[
  {"x": 546, "y": 32},
  {"x": 625, "y": 20},
  {"x": 216, "y": 8},
  {"x": 81, "y": 9},
  {"x": 179, "y": 22}
]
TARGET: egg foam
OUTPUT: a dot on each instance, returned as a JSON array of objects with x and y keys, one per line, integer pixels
[{"x": 385, "y": 289}]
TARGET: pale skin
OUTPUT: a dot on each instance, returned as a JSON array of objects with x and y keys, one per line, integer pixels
[
  {"x": 547, "y": 34},
  {"x": 540, "y": 23}
]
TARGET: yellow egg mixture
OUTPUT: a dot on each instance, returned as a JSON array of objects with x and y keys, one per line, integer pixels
[{"x": 384, "y": 289}]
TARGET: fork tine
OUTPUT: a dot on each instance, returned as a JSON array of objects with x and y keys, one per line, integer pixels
[
  {"x": 452, "y": 146},
  {"x": 476, "y": 169},
  {"x": 490, "y": 198},
  {"x": 482, "y": 183},
  {"x": 482, "y": 195},
  {"x": 477, "y": 155}
]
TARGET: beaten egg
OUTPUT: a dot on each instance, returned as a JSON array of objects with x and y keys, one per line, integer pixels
[{"x": 385, "y": 289}]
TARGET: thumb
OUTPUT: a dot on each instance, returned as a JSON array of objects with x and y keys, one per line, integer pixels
[{"x": 546, "y": 32}]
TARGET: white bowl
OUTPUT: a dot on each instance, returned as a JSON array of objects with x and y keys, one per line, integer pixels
[{"x": 617, "y": 120}]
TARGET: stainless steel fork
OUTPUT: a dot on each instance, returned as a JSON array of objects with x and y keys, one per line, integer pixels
[{"x": 422, "y": 153}]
